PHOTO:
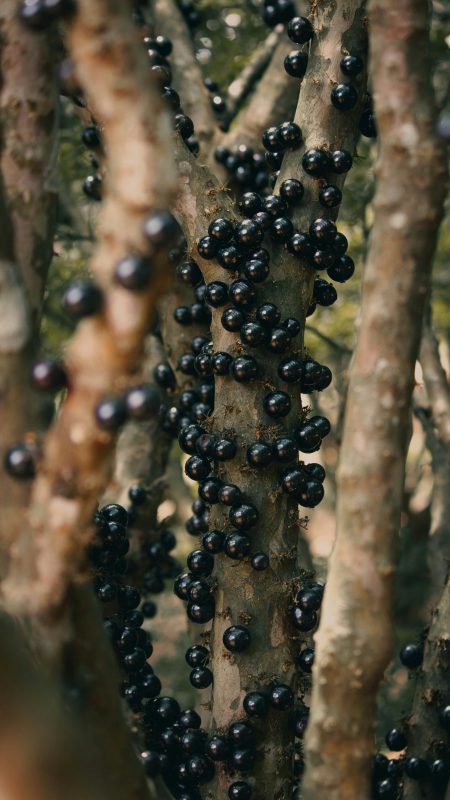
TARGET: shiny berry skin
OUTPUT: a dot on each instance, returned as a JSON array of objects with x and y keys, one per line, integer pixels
[
  {"x": 324, "y": 293},
  {"x": 111, "y": 413},
  {"x": 221, "y": 154},
  {"x": 256, "y": 271},
  {"x": 200, "y": 769},
  {"x": 137, "y": 494},
  {"x": 82, "y": 299},
  {"x": 19, "y": 462},
  {"x": 351, "y": 65},
  {"x": 308, "y": 437},
  {"x": 200, "y": 613},
  {"x": 275, "y": 206},
  {"x": 205, "y": 445},
  {"x": 255, "y": 704},
  {"x": 221, "y": 230},
  {"x": 270, "y": 139},
  {"x": 142, "y": 402},
  {"x": 342, "y": 269},
  {"x": 284, "y": 450},
  {"x": 344, "y": 96},
  {"x": 224, "y": 450},
  {"x": 315, "y": 471},
  {"x": 161, "y": 228},
  {"x": 316, "y": 162},
  {"x": 281, "y": 697},
  {"x": 133, "y": 272},
  {"x": 184, "y": 125},
  {"x": 241, "y": 735},
  {"x": 282, "y": 229},
  {"x": 321, "y": 423},
  {"x": 213, "y": 542},
  {"x": 330, "y": 196},
  {"x": 264, "y": 219},
  {"x": 396, "y": 740},
  {"x": 279, "y": 340},
  {"x": 303, "y": 620},
  {"x": 277, "y": 404},
  {"x": 242, "y": 294},
  {"x": 189, "y": 272},
  {"x": 201, "y": 678},
  {"x": 322, "y": 231},
  {"x": 229, "y": 494},
  {"x": 209, "y": 490},
  {"x": 259, "y": 561},
  {"x": 48, "y": 375},
  {"x": 445, "y": 713},
  {"x": 310, "y": 493},
  {"x": 252, "y": 334},
  {"x": 416, "y": 768},
  {"x": 197, "y": 655},
  {"x": 220, "y": 362},
  {"x": 216, "y": 294},
  {"x": 367, "y": 124},
  {"x": 239, "y": 790},
  {"x": 250, "y": 204},
  {"x": 237, "y": 546},
  {"x": 217, "y": 748},
  {"x": 92, "y": 187},
  {"x": 243, "y": 517},
  {"x": 300, "y": 30},
  {"x": 291, "y": 190},
  {"x": 341, "y": 161},
  {"x": 323, "y": 258},
  {"x": 232, "y": 319},
  {"x": 268, "y": 314},
  {"x": 305, "y": 660},
  {"x": 229, "y": 257},
  {"x": 244, "y": 369},
  {"x": 340, "y": 244},
  {"x": 300, "y": 246},
  {"x": 440, "y": 771},
  {"x": 274, "y": 158},
  {"x": 182, "y": 315},
  {"x": 187, "y": 438},
  {"x": 197, "y": 468},
  {"x": 243, "y": 760},
  {"x": 310, "y": 599},
  {"x": 295, "y": 63},
  {"x": 91, "y": 137},
  {"x": 289, "y": 134},
  {"x": 248, "y": 233},
  {"x": 290, "y": 370},
  {"x": 411, "y": 656},
  {"x": 259, "y": 455},
  {"x": 200, "y": 562},
  {"x": 292, "y": 326},
  {"x": 236, "y": 638},
  {"x": 171, "y": 97},
  {"x": 207, "y": 247}
]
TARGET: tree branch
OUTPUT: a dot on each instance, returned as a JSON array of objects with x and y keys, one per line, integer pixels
[
  {"x": 187, "y": 76},
  {"x": 354, "y": 639},
  {"x": 105, "y": 348},
  {"x": 241, "y": 87}
]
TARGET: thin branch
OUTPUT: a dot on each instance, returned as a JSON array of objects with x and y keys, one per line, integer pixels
[
  {"x": 245, "y": 82},
  {"x": 341, "y": 348},
  {"x": 187, "y": 76},
  {"x": 355, "y": 635}
]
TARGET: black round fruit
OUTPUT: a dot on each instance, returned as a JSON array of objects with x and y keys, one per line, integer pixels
[
  {"x": 161, "y": 229},
  {"x": 396, "y": 740},
  {"x": 221, "y": 230},
  {"x": 243, "y": 517},
  {"x": 330, "y": 196},
  {"x": 133, "y": 272},
  {"x": 300, "y": 30},
  {"x": 351, "y": 65},
  {"x": 244, "y": 369},
  {"x": 411, "y": 656},
  {"x": 236, "y": 638},
  {"x": 111, "y": 413},
  {"x": 344, "y": 96},
  {"x": 341, "y": 161},
  {"x": 302, "y": 619},
  {"x": 296, "y": 63},
  {"x": 260, "y": 561},
  {"x": 277, "y": 404},
  {"x": 200, "y": 562},
  {"x": 240, "y": 790},
  {"x": 259, "y": 455},
  {"x": 316, "y": 162},
  {"x": 281, "y": 697},
  {"x": 82, "y": 299}
]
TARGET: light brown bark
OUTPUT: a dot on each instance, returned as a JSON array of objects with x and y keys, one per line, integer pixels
[{"x": 355, "y": 638}]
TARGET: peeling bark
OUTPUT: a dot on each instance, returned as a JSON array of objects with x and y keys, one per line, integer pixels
[
  {"x": 106, "y": 348},
  {"x": 355, "y": 637}
]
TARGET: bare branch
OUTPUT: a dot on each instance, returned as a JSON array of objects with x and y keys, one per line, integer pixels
[
  {"x": 355, "y": 639},
  {"x": 245, "y": 82},
  {"x": 436, "y": 383},
  {"x": 77, "y": 460}
]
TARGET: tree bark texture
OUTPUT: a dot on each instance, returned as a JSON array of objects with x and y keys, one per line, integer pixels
[
  {"x": 106, "y": 348},
  {"x": 261, "y": 600},
  {"x": 354, "y": 639}
]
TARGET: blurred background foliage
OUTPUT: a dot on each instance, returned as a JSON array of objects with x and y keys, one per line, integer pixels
[{"x": 224, "y": 41}]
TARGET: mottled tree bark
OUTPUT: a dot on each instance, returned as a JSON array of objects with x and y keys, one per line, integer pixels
[
  {"x": 354, "y": 639},
  {"x": 187, "y": 75},
  {"x": 28, "y": 149},
  {"x": 261, "y": 600},
  {"x": 106, "y": 348},
  {"x": 432, "y": 694}
]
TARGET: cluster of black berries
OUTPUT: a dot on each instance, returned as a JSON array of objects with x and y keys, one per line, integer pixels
[
  {"x": 276, "y": 12},
  {"x": 218, "y": 103},
  {"x": 247, "y": 169},
  {"x": 300, "y": 31},
  {"x": 38, "y": 15}
]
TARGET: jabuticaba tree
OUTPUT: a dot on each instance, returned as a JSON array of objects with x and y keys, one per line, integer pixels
[{"x": 240, "y": 227}]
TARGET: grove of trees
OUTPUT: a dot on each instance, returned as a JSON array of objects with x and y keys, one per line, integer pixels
[{"x": 224, "y": 400}]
